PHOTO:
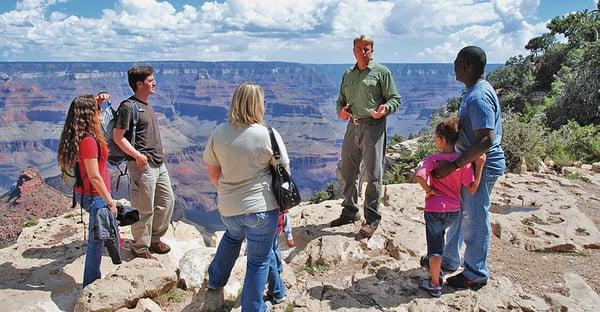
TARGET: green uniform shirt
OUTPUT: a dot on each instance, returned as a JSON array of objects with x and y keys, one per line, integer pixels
[{"x": 368, "y": 89}]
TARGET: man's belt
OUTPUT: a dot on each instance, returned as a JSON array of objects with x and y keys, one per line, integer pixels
[{"x": 359, "y": 120}]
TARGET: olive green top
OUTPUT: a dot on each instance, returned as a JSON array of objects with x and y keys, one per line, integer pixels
[{"x": 367, "y": 89}]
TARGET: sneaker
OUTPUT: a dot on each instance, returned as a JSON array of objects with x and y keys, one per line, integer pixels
[
  {"x": 460, "y": 281},
  {"x": 424, "y": 262},
  {"x": 343, "y": 220},
  {"x": 159, "y": 247},
  {"x": 366, "y": 231},
  {"x": 268, "y": 306},
  {"x": 269, "y": 297},
  {"x": 434, "y": 291}
]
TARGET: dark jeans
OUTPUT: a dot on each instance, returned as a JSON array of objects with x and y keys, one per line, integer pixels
[
  {"x": 95, "y": 247},
  {"x": 364, "y": 142},
  {"x": 436, "y": 224}
]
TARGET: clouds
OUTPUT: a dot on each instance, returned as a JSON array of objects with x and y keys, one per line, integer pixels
[
  {"x": 504, "y": 36},
  {"x": 293, "y": 30}
]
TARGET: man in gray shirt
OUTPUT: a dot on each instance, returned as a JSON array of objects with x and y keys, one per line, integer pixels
[{"x": 150, "y": 188}]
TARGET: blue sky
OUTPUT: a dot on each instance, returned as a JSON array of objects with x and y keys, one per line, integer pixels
[{"x": 306, "y": 31}]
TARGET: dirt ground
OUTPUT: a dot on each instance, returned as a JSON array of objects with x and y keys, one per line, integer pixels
[{"x": 540, "y": 272}]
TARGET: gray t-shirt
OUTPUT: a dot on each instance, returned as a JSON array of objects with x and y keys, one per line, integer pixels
[{"x": 244, "y": 156}]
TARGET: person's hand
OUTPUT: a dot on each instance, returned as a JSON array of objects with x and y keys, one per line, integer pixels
[
  {"x": 141, "y": 160},
  {"x": 431, "y": 193},
  {"x": 380, "y": 112},
  {"x": 343, "y": 113},
  {"x": 443, "y": 169},
  {"x": 101, "y": 97},
  {"x": 291, "y": 243},
  {"x": 112, "y": 205},
  {"x": 480, "y": 161}
]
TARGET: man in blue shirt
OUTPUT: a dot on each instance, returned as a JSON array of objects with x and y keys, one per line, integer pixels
[{"x": 480, "y": 132}]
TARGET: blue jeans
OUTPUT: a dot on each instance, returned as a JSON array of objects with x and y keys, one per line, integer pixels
[
  {"x": 436, "y": 224},
  {"x": 95, "y": 247},
  {"x": 276, "y": 287},
  {"x": 259, "y": 230},
  {"x": 473, "y": 227}
]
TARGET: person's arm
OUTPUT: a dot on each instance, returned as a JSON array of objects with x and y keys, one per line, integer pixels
[
  {"x": 429, "y": 191},
  {"x": 390, "y": 94},
  {"x": 119, "y": 138},
  {"x": 483, "y": 141},
  {"x": 479, "y": 162},
  {"x": 93, "y": 172},
  {"x": 341, "y": 105},
  {"x": 214, "y": 172}
]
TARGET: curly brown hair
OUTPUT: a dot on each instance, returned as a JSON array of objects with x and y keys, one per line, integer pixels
[
  {"x": 448, "y": 129},
  {"x": 83, "y": 118}
]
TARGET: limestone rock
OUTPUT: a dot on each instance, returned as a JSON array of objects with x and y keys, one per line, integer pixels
[
  {"x": 193, "y": 266},
  {"x": 139, "y": 278},
  {"x": 143, "y": 305}
]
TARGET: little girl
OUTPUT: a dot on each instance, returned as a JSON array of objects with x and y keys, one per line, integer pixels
[{"x": 442, "y": 199}]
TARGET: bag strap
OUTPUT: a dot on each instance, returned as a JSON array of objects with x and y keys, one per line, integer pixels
[
  {"x": 274, "y": 146},
  {"x": 135, "y": 119}
]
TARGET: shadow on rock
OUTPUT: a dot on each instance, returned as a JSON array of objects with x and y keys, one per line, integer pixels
[
  {"x": 49, "y": 277},
  {"x": 388, "y": 288}
]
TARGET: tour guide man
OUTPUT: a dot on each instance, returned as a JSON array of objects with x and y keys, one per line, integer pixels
[{"x": 367, "y": 95}]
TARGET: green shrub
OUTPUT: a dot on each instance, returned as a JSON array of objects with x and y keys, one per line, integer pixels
[
  {"x": 401, "y": 170},
  {"x": 325, "y": 194},
  {"x": 31, "y": 222},
  {"x": 573, "y": 142},
  {"x": 396, "y": 138},
  {"x": 521, "y": 140}
]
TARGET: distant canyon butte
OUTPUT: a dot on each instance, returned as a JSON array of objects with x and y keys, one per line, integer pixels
[{"x": 191, "y": 99}]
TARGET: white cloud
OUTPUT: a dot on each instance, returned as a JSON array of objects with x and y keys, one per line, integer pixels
[
  {"x": 418, "y": 16},
  {"x": 505, "y": 37},
  {"x": 294, "y": 30},
  {"x": 499, "y": 46}
]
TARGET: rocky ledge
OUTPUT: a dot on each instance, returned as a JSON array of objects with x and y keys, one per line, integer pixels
[{"x": 543, "y": 258}]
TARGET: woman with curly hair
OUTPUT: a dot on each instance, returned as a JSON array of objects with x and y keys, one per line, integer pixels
[{"x": 82, "y": 143}]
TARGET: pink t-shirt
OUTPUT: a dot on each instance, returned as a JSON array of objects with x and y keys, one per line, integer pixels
[{"x": 447, "y": 188}]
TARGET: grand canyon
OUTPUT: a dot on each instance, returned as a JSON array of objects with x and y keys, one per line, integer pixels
[{"x": 191, "y": 99}]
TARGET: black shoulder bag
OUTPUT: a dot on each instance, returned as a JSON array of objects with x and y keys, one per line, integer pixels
[{"x": 284, "y": 188}]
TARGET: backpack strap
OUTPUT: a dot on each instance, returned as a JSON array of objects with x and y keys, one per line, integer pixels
[{"x": 135, "y": 119}]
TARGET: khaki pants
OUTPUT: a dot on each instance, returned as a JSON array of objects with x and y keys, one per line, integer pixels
[{"x": 151, "y": 193}]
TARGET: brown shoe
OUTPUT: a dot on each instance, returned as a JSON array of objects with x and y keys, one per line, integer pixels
[
  {"x": 159, "y": 248},
  {"x": 343, "y": 220},
  {"x": 366, "y": 231},
  {"x": 143, "y": 254}
]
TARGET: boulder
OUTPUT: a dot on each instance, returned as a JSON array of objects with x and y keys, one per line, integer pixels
[
  {"x": 131, "y": 281},
  {"x": 193, "y": 266},
  {"x": 143, "y": 305}
]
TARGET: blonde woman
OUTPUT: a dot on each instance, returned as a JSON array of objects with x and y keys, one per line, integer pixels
[
  {"x": 81, "y": 142},
  {"x": 237, "y": 156}
]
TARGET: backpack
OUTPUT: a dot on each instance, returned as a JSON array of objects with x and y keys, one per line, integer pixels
[{"x": 116, "y": 156}]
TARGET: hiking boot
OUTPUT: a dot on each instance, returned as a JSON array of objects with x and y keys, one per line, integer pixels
[
  {"x": 143, "y": 254},
  {"x": 159, "y": 247},
  {"x": 366, "y": 231},
  {"x": 424, "y": 262},
  {"x": 343, "y": 220},
  {"x": 434, "y": 291},
  {"x": 460, "y": 281}
]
